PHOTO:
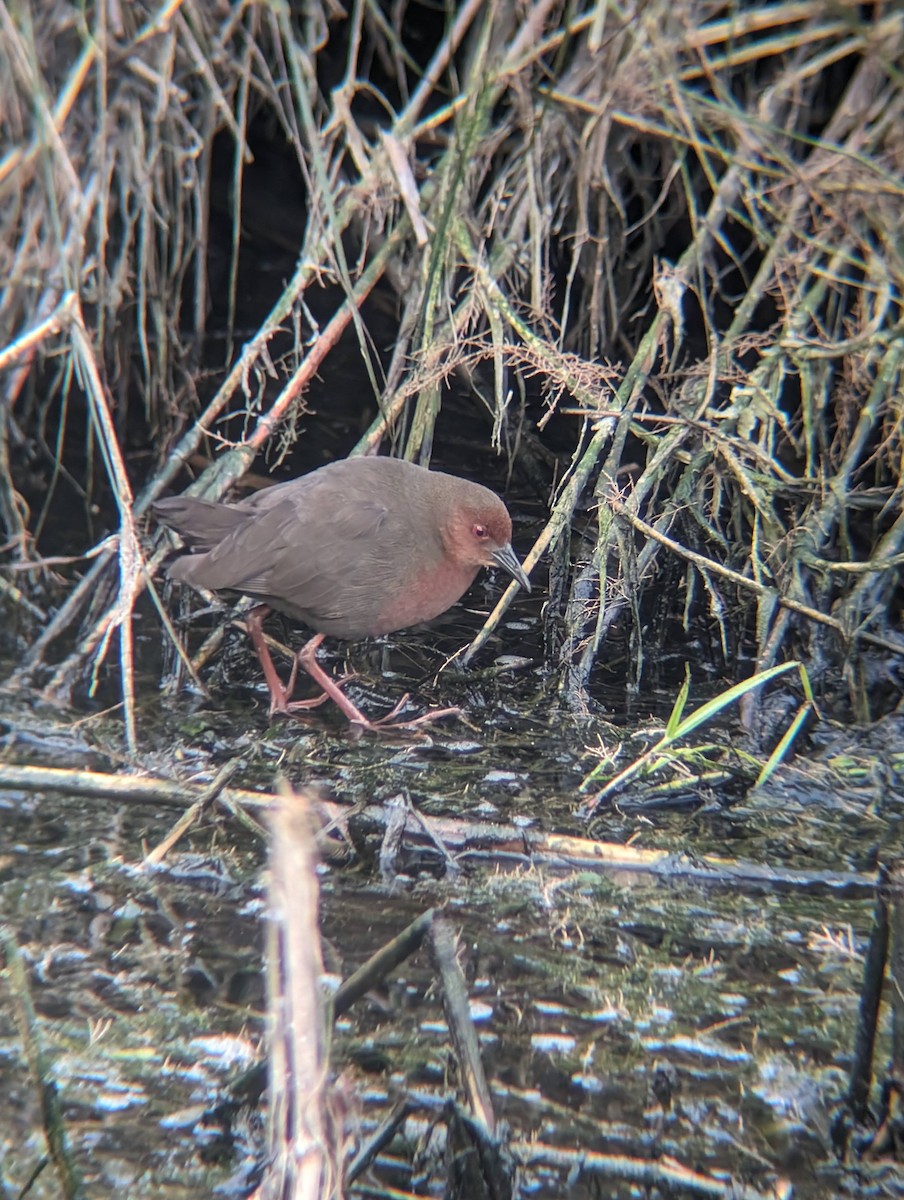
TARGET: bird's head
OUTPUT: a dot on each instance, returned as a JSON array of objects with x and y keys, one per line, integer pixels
[{"x": 480, "y": 535}]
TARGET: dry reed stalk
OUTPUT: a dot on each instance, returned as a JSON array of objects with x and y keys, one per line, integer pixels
[
  {"x": 568, "y": 152},
  {"x": 302, "y": 1163},
  {"x": 692, "y": 484}
]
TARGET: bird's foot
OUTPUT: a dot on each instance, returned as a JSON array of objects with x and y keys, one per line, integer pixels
[
  {"x": 307, "y": 660},
  {"x": 280, "y": 702},
  {"x": 389, "y": 724}
]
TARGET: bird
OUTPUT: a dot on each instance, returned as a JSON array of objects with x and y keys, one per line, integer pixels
[{"x": 358, "y": 548}]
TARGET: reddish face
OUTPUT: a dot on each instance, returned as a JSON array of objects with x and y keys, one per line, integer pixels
[{"x": 483, "y": 538}]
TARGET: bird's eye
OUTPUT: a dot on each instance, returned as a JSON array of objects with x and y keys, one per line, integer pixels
[{"x": 480, "y": 532}]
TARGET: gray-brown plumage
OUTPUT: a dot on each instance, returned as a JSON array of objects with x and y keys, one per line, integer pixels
[{"x": 359, "y": 548}]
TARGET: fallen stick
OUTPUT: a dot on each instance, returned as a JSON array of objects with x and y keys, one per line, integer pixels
[{"x": 503, "y": 845}]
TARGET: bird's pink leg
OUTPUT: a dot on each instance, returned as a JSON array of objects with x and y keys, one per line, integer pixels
[
  {"x": 279, "y": 693},
  {"x": 307, "y": 659}
]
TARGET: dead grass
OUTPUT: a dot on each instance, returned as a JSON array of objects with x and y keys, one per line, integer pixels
[{"x": 686, "y": 230}]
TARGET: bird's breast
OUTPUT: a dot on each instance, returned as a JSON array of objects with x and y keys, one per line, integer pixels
[{"x": 424, "y": 597}]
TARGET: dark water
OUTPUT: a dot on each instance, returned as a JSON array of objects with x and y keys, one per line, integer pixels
[{"x": 620, "y": 1012}]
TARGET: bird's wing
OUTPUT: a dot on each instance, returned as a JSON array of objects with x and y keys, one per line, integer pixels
[{"x": 297, "y": 548}]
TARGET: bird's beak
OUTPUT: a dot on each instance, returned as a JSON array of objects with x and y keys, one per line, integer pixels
[{"x": 506, "y": 558}]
